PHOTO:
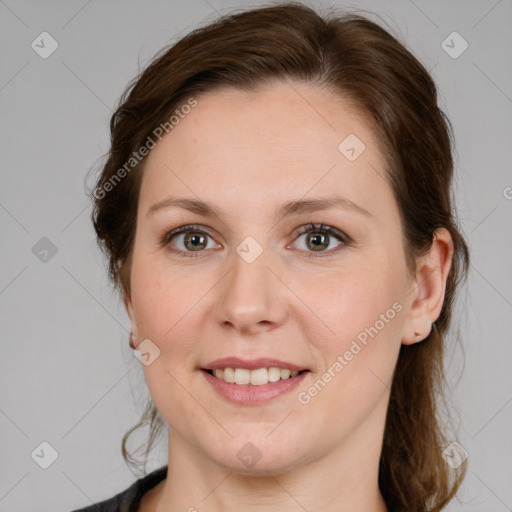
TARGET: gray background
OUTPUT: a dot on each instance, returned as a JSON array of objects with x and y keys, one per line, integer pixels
[{"x": 67, "y": 376}]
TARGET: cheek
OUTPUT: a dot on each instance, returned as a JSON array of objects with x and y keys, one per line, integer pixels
[
  {"x": 164, "y": 310},
  {"x": 168, "y": 304},
  {"x": 346, "y": 303},
  {"x": 363, "y": 311},
  {"x": 358, "y": 368},
  {"x": 160, "y": 298}
]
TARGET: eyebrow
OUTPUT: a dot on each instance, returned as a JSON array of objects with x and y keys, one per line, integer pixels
[{"x": 288, "y": 209}]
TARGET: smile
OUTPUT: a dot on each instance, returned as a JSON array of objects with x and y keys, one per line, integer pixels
[
  {"x": 258, "y": 377},
  {"x": 243, "y": 392}
]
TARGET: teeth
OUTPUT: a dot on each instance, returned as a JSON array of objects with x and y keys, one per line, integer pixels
[
  {"x": 255, "y": 377},
  {"x": 258, "y": 377},
  {"x": 242, "y": 376},
  {"x": 274, "y": 374}
]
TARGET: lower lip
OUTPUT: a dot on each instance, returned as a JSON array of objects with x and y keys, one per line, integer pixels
[{"x": 245, "y": 394}]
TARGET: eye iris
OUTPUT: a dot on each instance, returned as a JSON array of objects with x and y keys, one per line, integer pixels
[
  {"x": 195, "y": 238},
  {"x": 319, "y": 241}
]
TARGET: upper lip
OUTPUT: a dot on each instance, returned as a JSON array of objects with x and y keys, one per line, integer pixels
[{"x": 252, "y": 364}]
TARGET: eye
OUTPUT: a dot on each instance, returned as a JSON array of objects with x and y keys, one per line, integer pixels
[
  {"x": 319, "y": 238},
  {"x": 193, "y": 239}
]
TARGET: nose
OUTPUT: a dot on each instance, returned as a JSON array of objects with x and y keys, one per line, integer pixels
[{"x": 252, "y": 299}]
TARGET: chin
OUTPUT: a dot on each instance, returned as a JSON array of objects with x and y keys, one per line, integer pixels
[{"x": 259, "y": 456}]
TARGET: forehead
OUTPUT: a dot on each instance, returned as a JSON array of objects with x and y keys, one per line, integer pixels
[
  {"x": 280, "y": 140},
  {"x": 286, "y": 118}
]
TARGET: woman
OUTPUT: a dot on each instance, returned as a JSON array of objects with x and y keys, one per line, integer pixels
[{"x": 276, "y": 210}]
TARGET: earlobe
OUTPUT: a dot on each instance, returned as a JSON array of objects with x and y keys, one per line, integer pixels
[{"x": 429, "y": 288}]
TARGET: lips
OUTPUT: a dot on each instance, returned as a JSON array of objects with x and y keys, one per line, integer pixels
[
  {"x": 252, "y": 364},
  {"x": 250, "y": 394},
  {"x": 253, "y": 381}
]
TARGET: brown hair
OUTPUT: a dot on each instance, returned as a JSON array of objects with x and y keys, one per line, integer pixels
[{"x": 357, "y": 59}]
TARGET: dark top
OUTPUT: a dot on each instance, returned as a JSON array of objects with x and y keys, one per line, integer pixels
[{"x": 129, "y": 499}]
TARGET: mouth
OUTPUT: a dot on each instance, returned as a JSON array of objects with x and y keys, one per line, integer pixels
[
  {"x": 255, "y": 386},
  {"x": 251, "y": 382},
  {"x": 256, "y": 377}
]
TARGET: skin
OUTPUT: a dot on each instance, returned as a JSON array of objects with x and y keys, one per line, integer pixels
[{"x": 249, "y": 153}]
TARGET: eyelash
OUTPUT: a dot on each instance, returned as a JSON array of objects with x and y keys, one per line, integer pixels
[{"x": 321, "y": 228}]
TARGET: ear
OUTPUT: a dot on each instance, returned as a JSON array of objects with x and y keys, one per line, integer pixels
[
  {"x": 427, "y": 296},
  {"x": 129, "y": 309}
]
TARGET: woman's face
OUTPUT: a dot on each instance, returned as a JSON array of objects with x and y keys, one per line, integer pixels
[{"x": 255, "y": 280}]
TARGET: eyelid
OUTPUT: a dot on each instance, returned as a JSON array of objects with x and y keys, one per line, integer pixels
[
  {"x": 165, "y": 240},
  {"x": 331, "y": 230},
  {"x": 169, "y": 235},
  {"x": 344, "y": 239}
]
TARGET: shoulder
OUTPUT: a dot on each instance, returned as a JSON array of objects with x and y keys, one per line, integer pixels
[{"x": 129, "y": 499}]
